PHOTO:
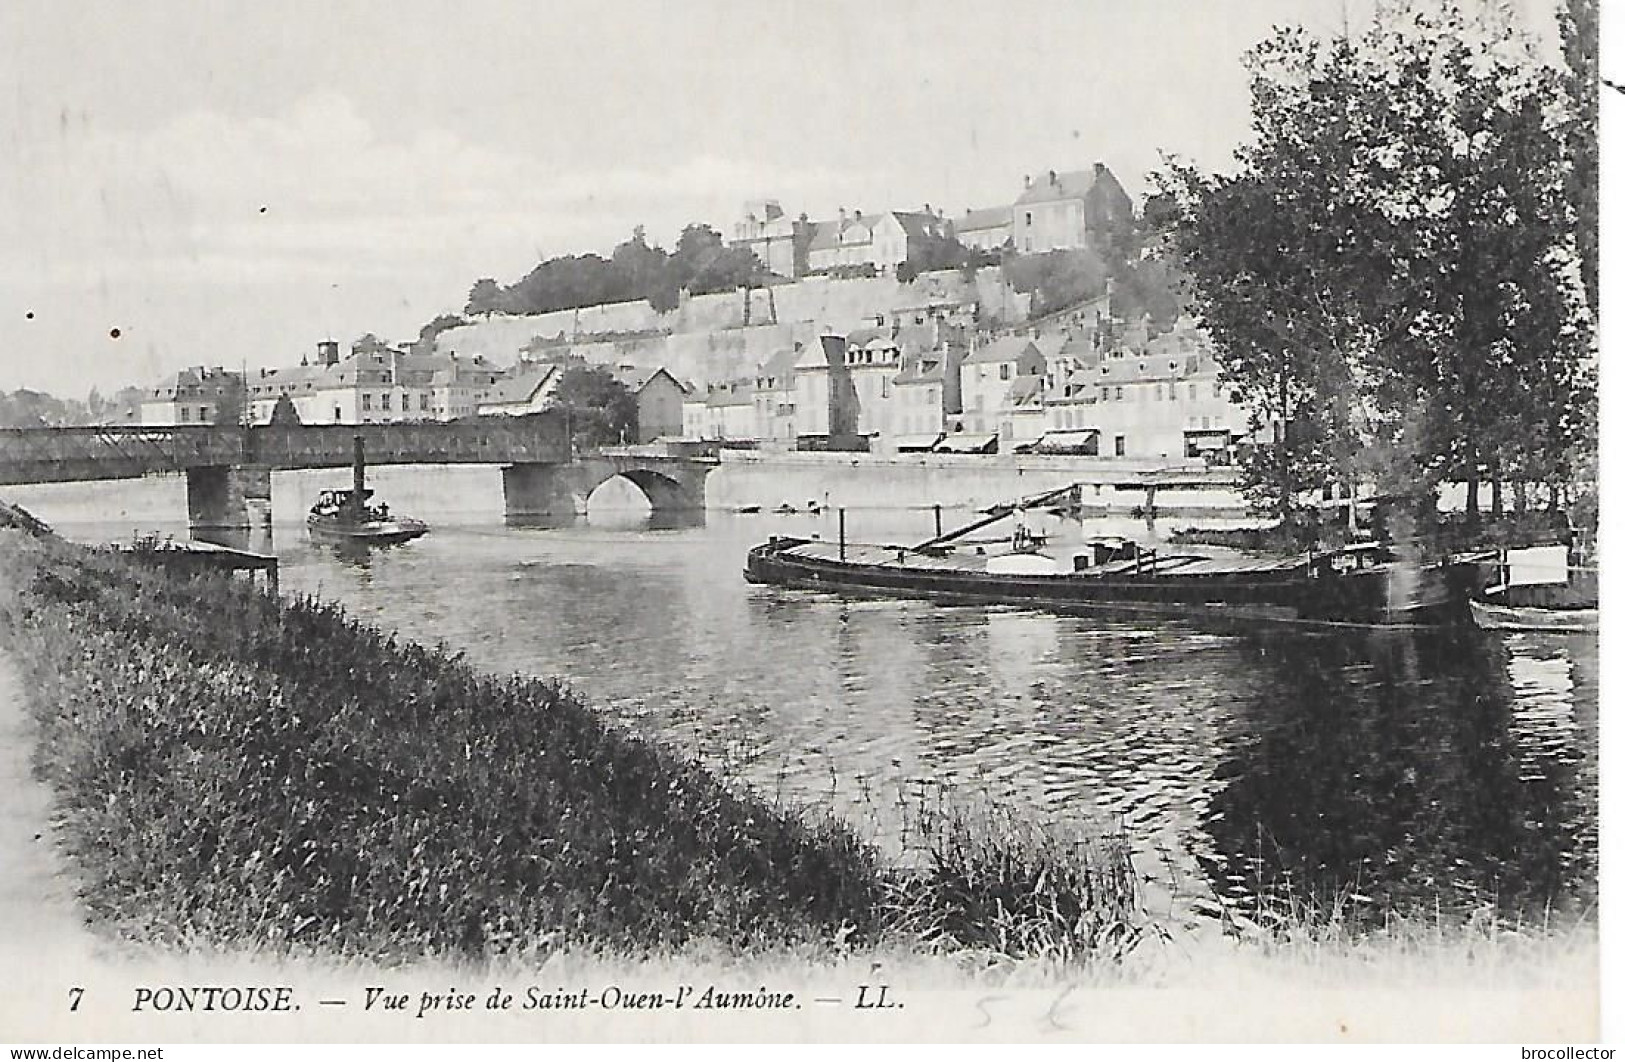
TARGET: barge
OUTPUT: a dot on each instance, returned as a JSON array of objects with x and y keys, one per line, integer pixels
[{"x": 1364, "y": 585}]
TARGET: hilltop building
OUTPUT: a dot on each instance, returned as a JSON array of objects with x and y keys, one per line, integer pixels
[
  {"x": 988, "y": 229},
  {"x": 1062, "y": 211}
]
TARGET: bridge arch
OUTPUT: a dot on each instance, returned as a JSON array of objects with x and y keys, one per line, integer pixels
[
  {"x": 559, "y": 491},
  {"x": 663, "y": 492}
]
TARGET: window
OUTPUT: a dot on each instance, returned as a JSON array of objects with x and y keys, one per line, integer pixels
[
  {"x": 1004, "y": 371},
  {"x": 337, "y": 416},
  {"x": 186, "y": 414},
  {"x": 386, "y": 400},
  {"x": 366, "y": 401},
  {"x": 1120, "y": 446},
  {"x": 1193, "y": 392},
  {"x": 423, "y": 401},
  {"x": 1119, "y": 395}
]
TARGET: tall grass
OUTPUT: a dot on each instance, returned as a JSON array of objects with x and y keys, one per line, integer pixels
[{"x": 236, "y": 768}]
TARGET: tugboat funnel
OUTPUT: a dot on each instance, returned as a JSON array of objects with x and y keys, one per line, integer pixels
[{"x": 359, "y": 467}]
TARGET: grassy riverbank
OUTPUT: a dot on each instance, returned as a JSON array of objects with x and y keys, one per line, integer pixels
[{"x": 232, "y": 769}]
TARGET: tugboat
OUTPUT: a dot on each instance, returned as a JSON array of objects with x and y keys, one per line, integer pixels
[{"x": 347, "y": 517}]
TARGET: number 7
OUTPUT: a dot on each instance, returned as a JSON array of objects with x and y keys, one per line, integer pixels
[{"x": 77, "y": 994}]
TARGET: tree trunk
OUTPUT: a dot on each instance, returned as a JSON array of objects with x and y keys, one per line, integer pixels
[
  {"x": 1520, "y": 495},
  {"x": 1472, "y": 495},
  {"x": 1495, "y": 496}
]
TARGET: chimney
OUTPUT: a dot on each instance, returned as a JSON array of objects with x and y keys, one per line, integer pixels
[
  {"x": 1051, "y": 176},
  {"x": 1027, "y": 180},
  {"x": 327, "y": 352},
  {"x": 1100, "y": 168},
  {"x": 928, "y": 208},
  {"x": 841, "y": 211}
]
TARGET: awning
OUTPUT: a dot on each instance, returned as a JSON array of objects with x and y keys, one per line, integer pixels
[
  {"x": 915, "y": 444},
  {"x": 968, "y": 443},
  {"x": 1084, "y": 441}
]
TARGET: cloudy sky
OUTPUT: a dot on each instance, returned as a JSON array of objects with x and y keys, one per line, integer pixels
[{"x": 225, "y": 184}]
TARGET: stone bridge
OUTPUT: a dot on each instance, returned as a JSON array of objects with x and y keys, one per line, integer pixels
[
  {"x": 673, "y": 479},
  {"x": 228, "y": 468}
]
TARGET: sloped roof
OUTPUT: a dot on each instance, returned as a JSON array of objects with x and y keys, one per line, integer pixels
[
  {"x": 1025, "y": 389},
  {"x": 986, "y": 218},
  {"x": 1004, "y": 348},
  {"x": 827, "y": 234},
  {"x": 636, "y": 377},
  {"x": 518, "y": 388},
  {"x": 914, "y": 375},
  {"x": 782, "y": 367},
  {"x": 919, "y": 226},
  {"x": 1073, "y": 184}
]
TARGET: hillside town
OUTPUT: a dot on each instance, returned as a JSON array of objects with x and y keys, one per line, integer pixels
[{"x": 879, "y": 360}]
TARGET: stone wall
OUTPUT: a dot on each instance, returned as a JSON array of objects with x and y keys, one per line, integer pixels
[{"x": 705, "y": 340}]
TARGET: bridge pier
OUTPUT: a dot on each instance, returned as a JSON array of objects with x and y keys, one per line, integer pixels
[
  {"x": 539, "y": 491},
  {"x": 228, "y": 497}
]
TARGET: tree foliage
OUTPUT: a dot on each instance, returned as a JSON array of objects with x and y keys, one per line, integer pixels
[
  {"x": 602, "y": 411},
  {"x": 701, "y": 264},
  {"x": 1391, "y": 275}
]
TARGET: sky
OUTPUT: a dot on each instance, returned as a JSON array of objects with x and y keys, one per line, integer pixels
[{"x": 226, "y": 184}]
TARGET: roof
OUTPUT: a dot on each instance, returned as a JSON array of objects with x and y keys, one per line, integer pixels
[
  {"x": 1024, "y": 389},
  {"x": 781, "y": 367},
  {"x": 986, "y": 218},
  {"x": 1073, "y": 184},
  {"x": 827, "y": 234},
  {"x": 919, "y": 226},
  {"x": 518, "y": 388},
  {"x": 914, "y": 375},
  {"x": 635, "y": 378},
  {"x": 1004, "y": 348}
]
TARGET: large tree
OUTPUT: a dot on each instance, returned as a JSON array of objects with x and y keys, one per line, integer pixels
[{"x": 1389, "y": 275}]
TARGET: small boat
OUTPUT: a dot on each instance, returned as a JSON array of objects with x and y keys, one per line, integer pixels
[
  {"x": 1538, "y": 588},
  {"x": 748, "y": 510},
  {"x": 1359, "y": 585},
  {"x": 1494, "y": 617},
  {"x": 349, "y": 517}
]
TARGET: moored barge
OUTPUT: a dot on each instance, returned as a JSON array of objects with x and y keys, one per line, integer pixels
[{"x": 1358, "y": 585}]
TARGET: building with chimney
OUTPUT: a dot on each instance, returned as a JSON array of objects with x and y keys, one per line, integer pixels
[
  {"x": 198, "y": 395},
  {"x": 1062, "y": 211}
]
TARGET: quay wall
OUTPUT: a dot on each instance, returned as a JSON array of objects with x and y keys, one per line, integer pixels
[{"x": 1112, "y": 486}]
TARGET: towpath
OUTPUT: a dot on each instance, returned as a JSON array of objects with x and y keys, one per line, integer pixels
[{"x": 43, "y": 940}]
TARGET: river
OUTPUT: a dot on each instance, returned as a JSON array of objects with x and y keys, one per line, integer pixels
[{"x": 1386, "y": 772}]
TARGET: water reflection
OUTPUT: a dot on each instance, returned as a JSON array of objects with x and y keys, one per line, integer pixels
[{"x": 1399, "y": 771}]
